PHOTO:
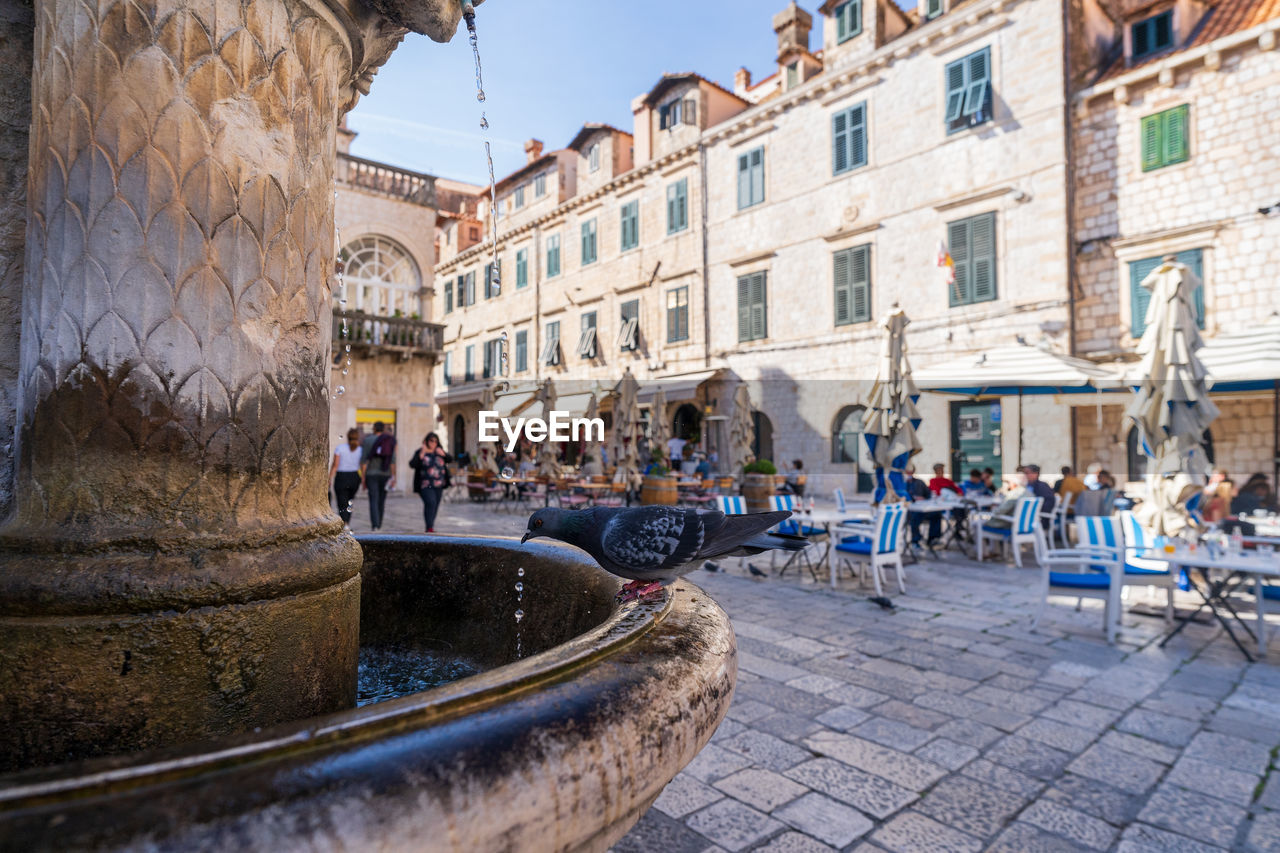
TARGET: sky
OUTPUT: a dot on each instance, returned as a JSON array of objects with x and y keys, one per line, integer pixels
[{"x": 549, "y": 67}]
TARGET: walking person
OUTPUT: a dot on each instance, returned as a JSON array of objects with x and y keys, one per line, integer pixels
[
  {"x": 344, "y": 474},
  {"x": 430, "y": 477},
  {"x": 378, "y": 467}
]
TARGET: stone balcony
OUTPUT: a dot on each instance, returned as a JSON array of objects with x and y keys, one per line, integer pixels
[
  {"x": 371, "y": 335},
  {"x": 382, "y": 179}
]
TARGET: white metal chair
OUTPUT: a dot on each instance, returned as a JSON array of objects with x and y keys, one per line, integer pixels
[
  {"x": 1057, "y": 519},
  {"x": 733, "y": 505},
  {"x": 1085, "y": 571},
  {"x": 795, "y": 526},
  {"x": 877, "y": 544},
  {"x": 1143, "y": 571},
  {"x": 1024, "y": 528}
]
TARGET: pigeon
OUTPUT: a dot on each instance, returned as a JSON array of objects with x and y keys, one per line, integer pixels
[
  {"x": 751, "y": 567},
  {"x": 654, "y": 545}
]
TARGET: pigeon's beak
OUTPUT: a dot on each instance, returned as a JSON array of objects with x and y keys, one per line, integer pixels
[{"x": 528, "y": 534}]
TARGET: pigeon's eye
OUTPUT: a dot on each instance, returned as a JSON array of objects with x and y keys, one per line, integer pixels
[{"x": 537, "y": 522}]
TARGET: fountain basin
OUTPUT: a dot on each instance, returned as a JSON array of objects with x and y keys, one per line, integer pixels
[{"x": 561, "y": 750}]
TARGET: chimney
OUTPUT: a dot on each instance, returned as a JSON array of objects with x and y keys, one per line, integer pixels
[
  {"x": 345, "y": 135},
  {"x": 792, "y": 25},
  {"x": 741, "y": 81},
  {"x": 533, "y": 150}
]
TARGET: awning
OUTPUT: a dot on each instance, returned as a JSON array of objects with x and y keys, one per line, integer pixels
[
  {"x": 1244, "y": 361},
  {"x": 513, "y": 403},
  {"x": 676, "y": 388},
  {"x": 454, "y": 394},
  {"x": 1019, "y": 369}
]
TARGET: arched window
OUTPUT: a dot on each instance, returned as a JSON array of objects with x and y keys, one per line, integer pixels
[
  {"x": 685, "y": 423},
  {"x": 458, "y": 435},
  {"x": 381, "y": 278},
  {"x": 1137, "y": 460},
  {"x": 762, "y": 443},
  {"x": 846, "y": 435}
]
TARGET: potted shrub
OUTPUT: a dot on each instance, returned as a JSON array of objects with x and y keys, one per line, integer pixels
[{"x": 758, "y": 484}]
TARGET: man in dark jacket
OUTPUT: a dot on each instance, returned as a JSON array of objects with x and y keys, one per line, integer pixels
[{"x": 378, "y": 465}]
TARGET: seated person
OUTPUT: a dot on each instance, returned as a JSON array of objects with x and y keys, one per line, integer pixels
[
  {"x": 1216, "y": 505},
  {"x": 1254, "y": 495},
  {"x": 1001, "y": 515},
  {"x": 974, "y": 485},
  {"x": 1091, "y": 475},
  {"x": 1069, "y": 484},
  {"x": 704, "y": 467},
  {"x": 1039, "y": 487},
  {"x": 989, "y": 480},
  {"x": 794, "y": 473},
  {"x": 918, "y": 491},
  {"x": 942, "y": 482}
]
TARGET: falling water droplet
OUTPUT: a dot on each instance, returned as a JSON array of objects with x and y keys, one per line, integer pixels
[
  {"x": 519, "y": 586},
  {"x": 504, "y": 336},
  {"x": 520, "y": 572},
  {"x": 342, "y": 389},
  {"x": 519, "y": 615},
  {"x": 484, "y": 122},
  {"x": 344, "y": 371}
]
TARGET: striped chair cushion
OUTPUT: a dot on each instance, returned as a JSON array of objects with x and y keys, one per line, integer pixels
[
  {"x": 731, "y": 504},
  {"x": 1026, "y": 514},
  {"x": 1083, "y": 580}
]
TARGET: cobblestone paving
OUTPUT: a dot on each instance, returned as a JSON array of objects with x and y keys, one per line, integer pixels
[{"x": 947, "y": 724}]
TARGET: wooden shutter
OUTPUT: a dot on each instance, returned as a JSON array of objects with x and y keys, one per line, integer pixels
[
  {"x": 522, "y": 268},
  {"x": 1139, "y": 296},
  {"x": 982, "y": 233},
  {"x": 682, "y": 190},
  {"x": 843, "y": 291},
  {"x": 759, "y": 318},
  {"x": 933, "y": 9},
  {"x": 839, "y": 142},
  {"x": 744, "y": 180},
  {"x": 744, "y": 308},
  {"x": 671, "y": 208},
  {"x": 1174, "y": 135},
  {"x": 955, "y": 74},
  {"x": 857, "y": 135},
  {"x": 958, "y": 243},
  {"x": 689, "y": 111},
  {"x": 860, "y": 284},
  {"x": 757, "y": 176},
  {"x": 1194, "y": 259},
  {"x": 586, "y": 258},
  {"x": 1152, "y": 146},
  {"x": 978, "y": 84},
  {"x": 448, "y": 296}
]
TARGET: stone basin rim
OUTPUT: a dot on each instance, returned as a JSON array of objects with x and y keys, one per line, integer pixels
[{"x": 623, "y": 626}]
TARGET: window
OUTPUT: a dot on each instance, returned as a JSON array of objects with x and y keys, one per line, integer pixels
[
  {"x": 381, "y": 278},
  {"x": 848, "y": 20},
  {"x": 793, "y": 74},
  {"x": 677, "y": 314},
  {"x": 677, "y": 112},
  {"x": 470, "y": 374},
  {"x": 629, "y": 329},
  {"x": 1140, "y": 297},
  {"x": 972, "y": 243},
  {"x": 849, "y": 139},
  {"x": 553, "y": 256},
  {"x": 1164, "y": 138},
  {"x": 540, "y": 185},
  {"x": 593, "y": 157},
  {"x": 520, "y": 196},
  {"x": 968, "y": 91},
  {"x": 933, "y": 8},
  {"x": 630, "y": 227},
  {"x": 470, "y": 279},
  {"x": 522, "y": 350},
  {"x": 751, "y": 178},
  {"x": 448, "y": 368},
  {"x": 1151, "y": 35},
  {"x": 587, "y": 340},
  {"x": 448, "y": 295},
  {"x": 493, "y": 358},
  {"x": 551, "y": 351},
  {"x": 678, "y": 206},
  {"x": 846, "y": 437},
  {"x": 752, "y": 322},
  {"x": 522, "y": 268},
  {"x": 589, "y": 241},
  {"x": 853, "y": 285}
]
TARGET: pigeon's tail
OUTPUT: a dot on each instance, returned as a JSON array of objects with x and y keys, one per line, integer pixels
[{"x": 772, "y": 542}]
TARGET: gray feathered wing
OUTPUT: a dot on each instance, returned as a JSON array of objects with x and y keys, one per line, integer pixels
[{"x": 657, "y": 541}]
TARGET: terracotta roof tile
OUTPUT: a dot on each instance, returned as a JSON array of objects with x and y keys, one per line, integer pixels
[{"x": 1225, "y": 18}]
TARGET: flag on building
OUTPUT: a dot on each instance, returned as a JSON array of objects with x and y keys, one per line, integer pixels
[{"x": 946, "y": 263}]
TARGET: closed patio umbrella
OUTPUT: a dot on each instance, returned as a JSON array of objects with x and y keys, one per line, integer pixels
[
  {"x": 891, "y": 419},
  {"x": 626, "y": 434},
  {"x": 1171, "y": 408},
  {"x": 548, "y": 464},
  {"x": 742, "y": 430},
  {"x": 659, "y": 433}
]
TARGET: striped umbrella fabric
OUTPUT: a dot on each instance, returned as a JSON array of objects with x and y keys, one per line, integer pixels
[
  {"x": 889, "y": 426},
  {"x": 1171, "y": 408}
]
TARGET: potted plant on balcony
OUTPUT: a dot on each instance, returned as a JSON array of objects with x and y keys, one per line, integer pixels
[
  {"x": 758, "y": 484},
  {"x": 659, "y": 486}
]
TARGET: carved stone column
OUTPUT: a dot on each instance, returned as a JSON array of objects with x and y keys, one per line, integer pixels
[{"x": 172, "y": 569}]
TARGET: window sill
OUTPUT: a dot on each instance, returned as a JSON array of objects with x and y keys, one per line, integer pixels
[
  {"x": 975, "y": 302},
  {"x": 861, "y": 322}
]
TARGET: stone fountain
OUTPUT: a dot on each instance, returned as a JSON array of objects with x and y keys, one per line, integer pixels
[{"x": 180, "y": 610}]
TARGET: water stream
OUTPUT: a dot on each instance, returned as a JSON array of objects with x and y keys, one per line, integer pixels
[{"x": 495, "y": 283}]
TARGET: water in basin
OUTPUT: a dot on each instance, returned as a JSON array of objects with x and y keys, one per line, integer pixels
[{"x": 388, "y": 672}]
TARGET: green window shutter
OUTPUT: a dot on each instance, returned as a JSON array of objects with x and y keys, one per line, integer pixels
[
  {"x": 858, "y": 135},
  {"x": 933, "y": 9},
  {"x": 958, "y": 243},
  {"x": 1194, "y": 259},
  {"x": 1174, "y": 147},
  {"x": 671, "y": 209},
  {"x": 843, "y": 289},
  {"x": 1152, "y": 146},
  {"x": 522, "y": 268},
  {"x": 840, "y": 142},
  {"x": 744, "y": 180},
  {"x": 682, "y": 190},
  {"x": 757, "y": 176},
  {"x": 759, "y": 316},
  {"x": 842, "y": 24},
  {"x": 982, "y": 230},
  {"x": 744, "y": 308},
  {"x": 978, "y": 84},
  {"x": 848, "y": 20},
  {"x": 1139, "y": 296},
  {"x": 956, "y": 79},
  {"x": 860, "y": 284}
]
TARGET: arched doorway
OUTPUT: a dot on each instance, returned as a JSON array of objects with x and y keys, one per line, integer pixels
[
  {"x": 458, "y": 436},
  {"x": 762, "y": 443},
  {"x": 687, "y": 423},
  {"x": 847, "y": 446},
  {"x": 381, "y": 278}
]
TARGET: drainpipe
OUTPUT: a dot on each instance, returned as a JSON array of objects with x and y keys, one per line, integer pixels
[
  {"x": 1069, "y": 167},
  {"x": 537, "y": 303},
  {"x": 706, "y": 283}
]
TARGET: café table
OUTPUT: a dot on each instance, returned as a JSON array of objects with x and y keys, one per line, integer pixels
[
  {"x": 1233, "y": 571},
  {"x": 825, "y": 518}
]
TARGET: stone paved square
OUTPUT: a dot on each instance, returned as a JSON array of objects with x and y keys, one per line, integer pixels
[{"x": 911, "y": 731}]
